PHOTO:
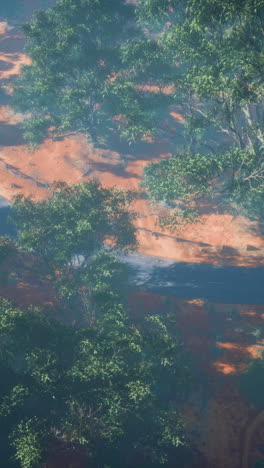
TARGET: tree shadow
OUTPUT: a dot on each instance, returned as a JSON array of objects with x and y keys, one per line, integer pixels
[
  {"x": 209, "y": 254},
  {"x": 214, "y": 283},
  {"x": 17, "y": 173},
  {"x": 216, "y": 334},
  {"x": 12, "y": 44},
  {"x": 4, "y": 65},
  {"x": 229, "y": 255},
  {"x": 19, "y": 9},
  {"x": 168, "y": 140},
  {"x": 11, "y": 135},
  {"x": 117, "y": 170},
  {"x": 259, "y": 230},
  {"x": 215, "y": 205},
  {"x": 142, "y": 151},
  {"x": 4, "y": 97},
  {"x": 6, "y": 228},
  {"x": 170, "y": 236}
]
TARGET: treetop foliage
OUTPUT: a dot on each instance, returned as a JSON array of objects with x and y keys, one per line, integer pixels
[
  {"x": 76, "y": 232},
  {"x": 219, "y": 84},
  {"x": 75, "y": 219},
  {"x": 91, "y": 60},
  {"x": 79, "y": 79},
  {"x": 90, "y": 386}
]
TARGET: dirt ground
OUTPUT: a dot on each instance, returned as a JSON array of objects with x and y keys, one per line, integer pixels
[{"x": 218, "y": 335}]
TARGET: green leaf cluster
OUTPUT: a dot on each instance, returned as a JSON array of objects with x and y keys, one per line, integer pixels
[
  {"x": 76, "y": 233},
  {"x": 107, "y": 387},
  {"x": 83, "y": 57},
  {"x": 6, "y": 248},
  {"x": 217, "y": 47}
]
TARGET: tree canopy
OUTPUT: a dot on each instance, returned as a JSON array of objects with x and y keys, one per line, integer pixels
[
  {"x": 218, "y": 80},
  {"x": 90, "y": 61},
  {"x": 109, "y": 386},
  {"x": 106, "y": 389},
  {"x": 80, "y": 78},
  {"x": 76, "y": 233}
]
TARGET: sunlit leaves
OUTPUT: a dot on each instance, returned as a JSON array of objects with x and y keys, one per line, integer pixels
[
  {"x": 74, "y": 220},
  {"x": 28, "y": 443},
  {"x": 182, "y": 177}
]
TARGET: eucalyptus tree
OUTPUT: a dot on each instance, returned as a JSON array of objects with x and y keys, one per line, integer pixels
[
  {"x": 79, "y": 79},
  {"x": 92, "y": 63},
  {"x": 76, "y": 233},
  {"x": 217, "y": 49}
]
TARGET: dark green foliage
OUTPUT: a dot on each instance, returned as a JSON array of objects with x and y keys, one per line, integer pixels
[
  {"x": 6, "y": 248},
  {"x": 184, "y": 178},
  {"x": 108, "y": 387},
  {"x": 29, "y": 440}
]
